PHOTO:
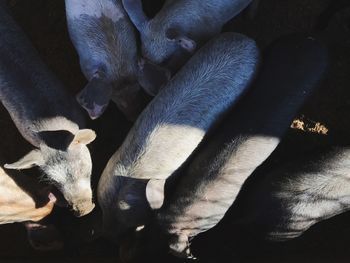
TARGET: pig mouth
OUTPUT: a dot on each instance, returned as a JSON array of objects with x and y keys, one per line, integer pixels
[
  {"x": 95, "y": 110},
  {"x": 84, "y": 209},
  {"x": 79, "y": 207}
]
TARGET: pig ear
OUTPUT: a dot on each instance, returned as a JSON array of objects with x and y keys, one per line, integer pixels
[
  {"x": 136, "y": 14},
  {"x": 185, "y": 42},
  {"x": 33, "y": 158},
  {"x": 59, "y": 140},
  {"x": 155, "y": 193},
  {"x": 84, "y": 136},
  {"x": 152, "y": 77}
]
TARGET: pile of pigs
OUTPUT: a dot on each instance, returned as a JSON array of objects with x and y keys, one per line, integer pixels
[{"x": 208, "y": 109}]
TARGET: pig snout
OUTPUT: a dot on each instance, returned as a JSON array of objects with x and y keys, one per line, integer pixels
[
  {"x": 79, "y": 197},
  {"x": 94, "y": 110},
  {"x": 83, "y": 208}
]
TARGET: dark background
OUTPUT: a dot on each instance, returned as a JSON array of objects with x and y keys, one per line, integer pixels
[{"x": 322, "y": 121}]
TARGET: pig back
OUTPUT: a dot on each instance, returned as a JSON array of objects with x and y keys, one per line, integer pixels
[
  {"x": 177, "y": 119},
  {"x": 28, "y": 89}
]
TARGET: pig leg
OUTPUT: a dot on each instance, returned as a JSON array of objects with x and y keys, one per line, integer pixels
[{"x": 136, "y": 14}]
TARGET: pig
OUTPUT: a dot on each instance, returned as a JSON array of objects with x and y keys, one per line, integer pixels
[
  {"x": 46, "y": 116},
  {"x": 180, "y": 27},
  {"x": 298, "y": 194},
  {"x": 17, "y": 205},
  {"x": 106, "y": 42},
  {"x": 29, "y": 205},
  {"x": 293, "y": 67},
  {"x": 171, "y": 127}
]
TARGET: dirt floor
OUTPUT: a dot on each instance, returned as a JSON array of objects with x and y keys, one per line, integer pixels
[{"x": 322, "y": 121}]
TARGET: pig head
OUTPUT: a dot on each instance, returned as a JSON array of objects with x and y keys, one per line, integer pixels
[{"x": 65, "y": 160}]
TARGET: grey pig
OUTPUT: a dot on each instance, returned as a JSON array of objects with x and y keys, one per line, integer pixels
[
  {"x": 180, "y": 26},
  {"x": 105, "y": 40},
  {"x": 292, "y": 69},
  {"x": 299, "y": 193},
  {"x": 171, "y": 127},
  {"x": 46, "y": 116}
]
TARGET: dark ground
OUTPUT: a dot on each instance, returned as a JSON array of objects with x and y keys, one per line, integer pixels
[{"x": 44, "y": 23}]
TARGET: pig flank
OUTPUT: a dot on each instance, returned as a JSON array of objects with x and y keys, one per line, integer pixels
[
  {"x": 46, "y": 116},
  {"x": 172, "y": 126},
  {"x": 299, "y": 193},
  {"x": 293, "y": 66}
]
